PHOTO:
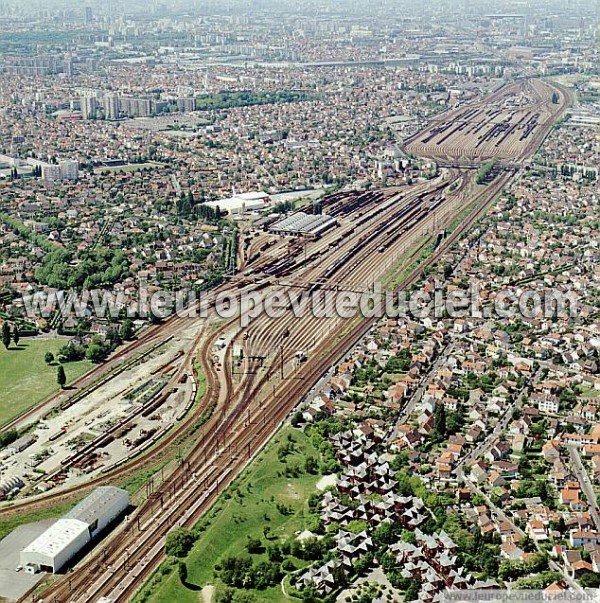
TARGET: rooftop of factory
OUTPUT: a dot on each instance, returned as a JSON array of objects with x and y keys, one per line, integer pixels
[
  {"x": 57, "y": 537},
  {"x": 91, "y": 506},
  {"x": 302, "y": 222}
]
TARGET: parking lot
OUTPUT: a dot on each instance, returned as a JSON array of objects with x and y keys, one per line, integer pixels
[{"x": 13, "y": 585}]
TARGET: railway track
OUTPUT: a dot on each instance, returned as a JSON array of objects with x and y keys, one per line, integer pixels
[
  {"x": 125, "y": 358},
  {"x": 350, "y": 265},
  {"x": 508, "y": 124},
  {"x": 134, "y": 465}
]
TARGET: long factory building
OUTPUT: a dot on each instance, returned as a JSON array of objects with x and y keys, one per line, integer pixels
[
  {"x": 303, "y": 223},
  {"x": 55, "y": 547}
]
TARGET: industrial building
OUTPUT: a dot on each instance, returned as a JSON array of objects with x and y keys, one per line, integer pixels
[
  {"x": 303, "y": 223},
  {"x": 243, "y": 202},
  {"x": 19, "y": 445},
  {"x": 53, "y": 549},
  {"x": 12, "y": 483}
]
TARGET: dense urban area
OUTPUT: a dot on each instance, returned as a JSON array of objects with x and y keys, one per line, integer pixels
[{"x": 297, "y": 160}]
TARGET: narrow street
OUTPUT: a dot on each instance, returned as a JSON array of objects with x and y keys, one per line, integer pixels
[
  {"x": 585, "y": 483},
  {"x": 502, "y": 424},
  {"x": 418, "y": 393},
  {"x": 502, "y": 516}
]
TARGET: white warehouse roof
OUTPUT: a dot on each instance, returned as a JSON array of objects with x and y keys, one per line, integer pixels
[
  {"x": 246, "y": 201},
  {"x": 255, "y": 196},
  {"x": 71, "y": 533},
  {"x": 304, "y": 223},
  {"x": 57, "y": 537},
  {"x": 91, "y": 507}
]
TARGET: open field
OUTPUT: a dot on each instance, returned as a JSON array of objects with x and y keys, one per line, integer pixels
[
  {"x": 247, "y": 506},
  {"x": 509, "y": 125},
  {"x": 25, "y": 378}
]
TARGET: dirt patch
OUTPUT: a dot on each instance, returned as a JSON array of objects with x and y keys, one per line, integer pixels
[
  {"x": 327, "y": 481},
  {"x": 206, "y": 594}
]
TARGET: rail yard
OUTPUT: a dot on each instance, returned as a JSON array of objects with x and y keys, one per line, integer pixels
[
  {"x": 505, "y": 125},
  {"x": 376, "y": 234}
]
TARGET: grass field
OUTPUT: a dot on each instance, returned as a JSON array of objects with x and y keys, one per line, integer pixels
[
  {"x": 26, "y": 379},
  {"x": 244, "y": 510},
  {"x": 8, "y": 525}
]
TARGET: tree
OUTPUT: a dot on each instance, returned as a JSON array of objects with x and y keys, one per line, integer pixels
[
  {"x": 313, "y": 549},
  {"x": 244, "y": 597},
  {"x": 310, "y": 465},
  {"x": 384, "y": 533},
  {"x": 527, "y": 544},
  {"x": 8, "y": 437},
  {"x": 266, "y": 574},
  {"x": 114, "y": 338},
  {"x": 310, "y": 594},
  {"x": 61, "y": 377},
  {"x": 224, "y": 595},
  {"x": 254, "y": 545},
  {"x": 16, "y": 335},
  {"x": 274, "y": 553},
  {"x": 455, "y": 420},
  {"x": 49, "y": 358},
  {"x": 412, "y": 592},
  {"x": 97, "y": 350},
  {"x": 439, "y": 420},
  {"x": 127, "y": 330},
  {"x": 6, "y": 334},
  {"x": 237, "y": 571},
  {"x": 296, "y": 419},
  {"x": 179, "y": 542},
  {"x": 590, "y": 580},
  {"x": 183, "y": 572}
]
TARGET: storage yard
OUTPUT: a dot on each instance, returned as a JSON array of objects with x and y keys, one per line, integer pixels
[{"x": 111, "y": 424}]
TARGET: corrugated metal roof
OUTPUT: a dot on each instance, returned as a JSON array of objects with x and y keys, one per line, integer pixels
[
  {"x": 57, "y": 537},
  {"x": 303, "y": 222},
  {"x": 91, "y": 507}
]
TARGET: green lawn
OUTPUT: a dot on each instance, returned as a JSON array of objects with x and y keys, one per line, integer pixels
[
  {"x": 244, "y": 510},
  {"x": 589, "y": 393},
  {"x": 25, "y": 378}
]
